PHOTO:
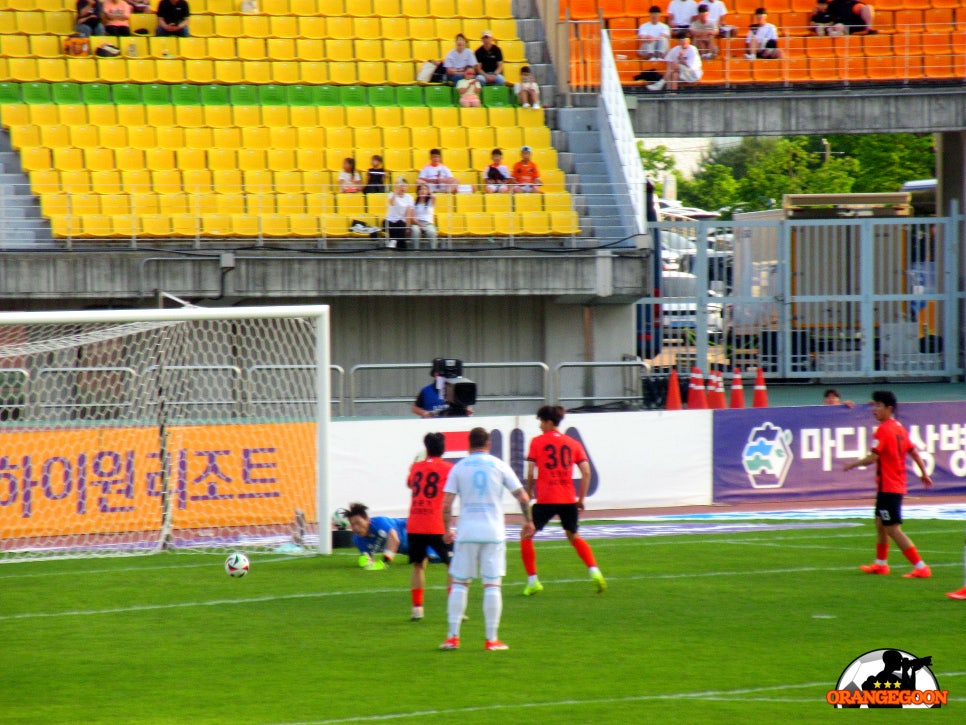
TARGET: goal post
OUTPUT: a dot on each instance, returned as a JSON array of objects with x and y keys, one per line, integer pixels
[{"x": 134, "y": 431}]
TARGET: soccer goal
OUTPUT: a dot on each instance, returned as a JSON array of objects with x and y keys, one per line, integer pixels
[{"x": 136, "y": 431}]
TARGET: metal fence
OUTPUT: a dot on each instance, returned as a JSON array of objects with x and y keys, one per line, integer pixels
[{"x": 808, "y": 299}]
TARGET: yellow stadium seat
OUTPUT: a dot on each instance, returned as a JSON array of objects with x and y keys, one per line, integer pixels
[
  {"x": 131, "y": 115},
  {"x": 395, "y": 136},
  {"x": 359, "y": 116},
  {"x": 317, "y": 181},
  {"x": 313, "y": 28},
  {"x": 388, "y": 118},
  {"x": 538, "y": 137},
  {"x": 230, "y": 203},
  {"x": 174, "y": 202},
  {"x": 76, "y": 181},
  {"x": 191, "y": 159},
  {"x": 481, "y": 137},
  {"x": 554, "y": 201},
  {"x": 480, "y": 157},
  {"x": 304, "y": 116},
  {"x": 445, "y": 116},
  {"x": 509, "y": 137},
  {"x": 368, "y": 137},
  {"x": 187, "y": 47},
  {"x": 102, "y": 114},
  {"x": 31, "y": 23},
  {"x": 400, "y": 73},
  {"x": 141, "y": 70},
  {"x": 447, "y": 28},
  {"x": 45, "y": 182},
  {"x": 98, "y": 158},
  {"x": 314, "y": 72},
  {"x": 96, "y": 225},
  {"x": 341, "y": 73},
  {"x": 67, "y": 158},
  {"x": 205, "y": 202},
  {"x": 529, "y": 118},
  {"x": 447, "y": 9},
  {"x": 251, "y": 159},
  {"x": 125, "y": 224},
  {"x": 119, "y": 203},
  {"x": 55, "y": 135},
  {"x": 155, "y": 225},
  {"x": 564, "y": 222},
  {"x": 310, "y": 49},
  {"x": 254, "y": 26},
  {"x": 170, "y": 137},
  {"x": 506, "y": 225},
  {"x": 288, "y": 182},
  {"x": 170, "y": 70},
  {"x": 304, "y": 225},
  {"x": 228, "y": 138},
  {"x": 256, "y": 138},
  {"x": 243, "y": 116},
  {"x": 398, "y": 159},
  {"x": 200, "y": 71},
  {"x": 228, "y": 182},
  {"x": 275, "y": 225},
  {"x": 528, "y": 203},
  {"x": 251, "y": 48},
  {"x": 220, "y": 7},
  {"x": 52, "y": 70},
  {"x": 553, "y": 179},
  {"x": 394, "y": 26},
  {"x": 106, "y": 182},
  {"x": 23, "y": 69},
  {"x": 415, "y": 8},
  {"x": 188, "y": 116},
  {"x": 141, "y": 202},
  {"x": 339, "y": 137},
  {"x": 503, "y": 27},
  {"x": 261, "y": 201},
  {"x": 127, "y": 158},
  {"x": 275, "y": 116},
  {"x": 310, "y": 159},
  {"x": 304, "y": 7},
  {"x": 55, "y": 204},
  {"x": 283, "y": 137},
  {"x": 453, "y": 137},
  {"x": 469, "y": 203},
  {"x": 498, "y": 204},
  {"x": 258, "y": 72},
  {"x": 185, "y": 225},
  {"x": 280, "y": 159},
  {"x": 369, "y": 50},
  {"x": 35, "y": 159},
  {"x": 24, "y": 136},
  {"x": 350, "y": 204},
  {"x": 82, "y": 70},
  {"x": 416, "y": 117},
  {"x": 498, "y": 117},
  {"x": 376, "y": 204},
  {"x": 333, "y": 225},
  {"x": 139, "y": 181},
  {"x": 312, "y": 137},
  {"x": 425, "y": 138},
  {"x": 282, "y": 26},
  {"x": 21, "y": 46},
  {"x": 222, "y": 159},
  {"x": 367, "y": 28},
  {"x": 157, "y": 159},
  {"x": 457, "y": 159},
  {"x": 451, "y": 224},
  {"x": 220, "y": 48},
  {"x": 339, "y": 49},
  {"x": 229, "y": 26},
  {"x": 159, "y": 115},
  {"x": 16, "y": 114},
  {"x": 286, "y": 72},
  {"x": 229, "y": 71},
  {"x": 166, "y": 182},
  {"x": 163, "y": 47},
  {"x": 339, "y": 28},
  {"x": 319, "y": 203},
  {"x": 371, "y": 72},
  {"x": 143, "y": 137},
  {"x": 536, "y": 223},
  {"x": 244, "y": 225},
  {"x": 290, "y": 203},
  {"x": 43, "y": 114},
  {"x": 281, "y": 48},
  {"x": 335, "y": 156},
  {"x": 217, "y": 116}
]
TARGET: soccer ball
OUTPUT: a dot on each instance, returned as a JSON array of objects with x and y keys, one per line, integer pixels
[
  {"x": 237, "y": 565},
  {"x": 339, "y": 520}
]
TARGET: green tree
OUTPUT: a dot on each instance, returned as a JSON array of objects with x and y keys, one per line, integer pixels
[
  {"x": 656, "y": 162},
  {"x": 714, "y": 187},
  {"x": 886, "y": 161},
  {"x": 791, "y": 168}
]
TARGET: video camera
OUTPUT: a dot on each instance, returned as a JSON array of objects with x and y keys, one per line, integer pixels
[
  {"x": 458, "y": 392},
  {"x": 917, "y": 663}
]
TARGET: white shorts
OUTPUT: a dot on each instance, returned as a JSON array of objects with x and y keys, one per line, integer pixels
[
  {"x": 687, "y": 75},
  {"x": 471, "y": 561}
]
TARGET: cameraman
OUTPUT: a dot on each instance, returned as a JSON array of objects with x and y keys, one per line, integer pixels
[{"x": 431, "y": 401}]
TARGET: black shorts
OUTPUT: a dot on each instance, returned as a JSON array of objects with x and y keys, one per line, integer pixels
[
  {"x": 888, "y": 508},
  {"x": 420, "y": 543},
  {"x": 543, "y": 512}
]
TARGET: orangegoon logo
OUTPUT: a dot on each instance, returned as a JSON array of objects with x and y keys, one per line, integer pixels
[{"x": 888, "y": 678}]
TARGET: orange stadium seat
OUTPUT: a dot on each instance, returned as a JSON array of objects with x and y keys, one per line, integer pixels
[{"x": 796, "y": 70}]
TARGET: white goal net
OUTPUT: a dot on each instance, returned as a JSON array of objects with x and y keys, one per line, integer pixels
[{"x": 135, "y": 431}]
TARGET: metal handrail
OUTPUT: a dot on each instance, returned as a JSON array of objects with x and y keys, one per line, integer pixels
[
  {"x": 338, "y": 399},
  {"x": 615, "y": 364}
]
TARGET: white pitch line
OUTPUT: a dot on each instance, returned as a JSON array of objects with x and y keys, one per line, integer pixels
[{"x": 368, "y": 592}]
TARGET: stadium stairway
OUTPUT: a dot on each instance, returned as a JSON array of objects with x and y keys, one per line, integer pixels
[{"x": 26, "y": 227}]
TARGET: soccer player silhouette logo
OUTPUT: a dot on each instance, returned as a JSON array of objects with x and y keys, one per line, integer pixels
[{"x": 898, "y": 673}]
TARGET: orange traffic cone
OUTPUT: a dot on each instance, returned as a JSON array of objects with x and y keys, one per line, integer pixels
[
  {"x": 737, "y": 391},
  {"x": 716, "y": 396},
  {"x": 760, "y": 399},
  {"x": 673, "y": 392},
  {"x": 696, "y": 399}
]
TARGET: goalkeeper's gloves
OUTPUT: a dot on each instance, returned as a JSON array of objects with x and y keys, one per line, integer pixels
[
  {"x": 364, "y": 560},
  {"x": 375, "y": 566}
]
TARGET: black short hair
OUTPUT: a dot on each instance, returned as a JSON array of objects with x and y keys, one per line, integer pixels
[
  {"x": 435, "y": 152},
  {"x": 553, "y": 413},
  {"x": 886, "y": 397},
  {"x": 761, "y": 11},
  {"x": 831, "y": 391},
  {"x": 357, "y": 509},
  {"x": 654, "y": 9},
  {"x": 479, "y": 438},
  {"x": 435, "y": 444}
]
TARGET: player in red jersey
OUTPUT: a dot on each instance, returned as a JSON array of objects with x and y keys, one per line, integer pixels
[
  {"x": 552, "y": 456},
  {"x": 890, "y": 446},
  {"x": 425, "y": 523}
]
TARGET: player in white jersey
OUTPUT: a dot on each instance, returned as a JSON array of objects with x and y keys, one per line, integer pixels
[{"x": 480, "y": 549}]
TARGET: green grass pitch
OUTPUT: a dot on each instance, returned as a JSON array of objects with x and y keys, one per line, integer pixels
[{"x": 730, "y": 628}]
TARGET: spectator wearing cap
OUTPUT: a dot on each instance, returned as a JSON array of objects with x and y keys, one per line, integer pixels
[
  {"x": 654, "y": 36},
  {"x": 489, "y": 62},
  {"x": 525, "y": 174},
  {"x": 683, "y": 66},
  {"x": 703, "y": 32},
  {"x": 680, "y": 13},
  {"x": 762, "y": 39}
]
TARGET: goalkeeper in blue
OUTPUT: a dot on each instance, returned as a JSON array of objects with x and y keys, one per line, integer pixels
[{"x": 378, "y": 539}]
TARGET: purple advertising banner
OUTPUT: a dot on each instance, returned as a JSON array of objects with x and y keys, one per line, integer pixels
[{"x": 784, "y": 454}]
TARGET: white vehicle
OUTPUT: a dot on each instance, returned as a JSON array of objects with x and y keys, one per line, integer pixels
[{"x": 684, "y": 315}]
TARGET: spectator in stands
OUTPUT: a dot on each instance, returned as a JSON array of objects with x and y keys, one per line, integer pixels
[
  {"x": 527, "y": 90},
  {"x": 655, "y": 36},
  {"x": 853, "y": 17},
  {"x": 469, "y": 89},
  {"x": 458, "y": 60},
  {"x": 436, "y": 175},
  {"x": 89, "y": 18},
  {"x": 703, "y": 32},
  {"x": 526, "y": 176},
  {"x": 683, "y": 66},
  {"x": 424, "y": 216},
  {"x": 489, "y": 59},
  {"x": 349, "y": 179},
  {"x": 680, "y": 13},
  {"x": 832, "y": 397},
  {"x": 399, "y": 216},
  {"x": 375, "y": 177},
  {"x": 822, "y": 22},
  {"x": 717, "y": 11},
  {"x": 173, "y": 18},
  {"x": 762, "y": 39},
  {"x": 498, "y": 178},
  {"x": 116, "y": 16}
]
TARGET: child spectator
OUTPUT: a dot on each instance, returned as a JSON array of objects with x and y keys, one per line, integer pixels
[
  {"x": 525, "y": 173},
  {"x": 424, "y": 220},
  {"x": 703, "y": 32},
  {"x": 437, "y": 176},
  {"x": 655, "y": 36},
  {"x": 399, "y": 215},
  {"x": 762, "y": 40},
  {"x": 349, "y": 180},
  {"x": 458, "y": 60},
  {"x": 498, "y": 177},
  {"x": 375, "y": 177},
  {"x": 683, "y": 66},
  {"x": 822, "y": 22},
  {"x": 116, "y": 15},
  {"x": 88, "y": 20},
  {"x": 527, "y": 90},
  {"x": 469, "y": 90}
]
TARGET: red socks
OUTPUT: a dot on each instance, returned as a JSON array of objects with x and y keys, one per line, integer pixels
[
  {"x": 912, "y": 555},
  {"x": 417, "y": 597},
  {"x": 584, "y": 551},
  {"x": 529, "y": 555},
  {"x": 882, "y": 551}
]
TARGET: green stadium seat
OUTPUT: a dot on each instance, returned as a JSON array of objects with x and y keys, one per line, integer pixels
[
  {"x": 9, "y": 93},
  {"x": 96, "y": 94},
  {"x": 353, "y": 96},
  {"x": 300, "y": 95},
  {"x": 155, "y": 94},
  {"x": 126, "y": 94},
  {"x": 273, "y": 95},
  {"x": 185, "y": 94},
  {"x": 244, "y": 95},
  {"x": 68, "y": 94},
  {"x": 438, "y": 96},
  {"x": 328, "y": 96},
  {"x": 496, "y": 96},
  {"x": 382, "y": 96},
  {"x": 409, "y": 96},
  {"x": 214, "y": 95},
  {"x": 35, "y": 92}
]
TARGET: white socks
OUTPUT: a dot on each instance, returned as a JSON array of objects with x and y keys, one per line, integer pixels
[
  {"x": 456, "y": 607},
  {"x": 492, "y": 610}
]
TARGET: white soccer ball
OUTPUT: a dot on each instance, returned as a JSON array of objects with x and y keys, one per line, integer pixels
[
  {"x": 237, "y": 564},
  {"x": 339, "y": 520}
]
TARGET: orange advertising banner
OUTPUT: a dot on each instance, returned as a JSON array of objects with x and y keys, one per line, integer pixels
[{"x": 109, "y": 480}]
